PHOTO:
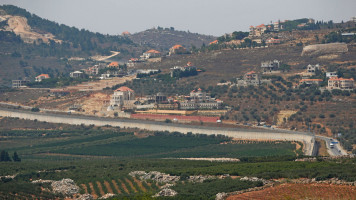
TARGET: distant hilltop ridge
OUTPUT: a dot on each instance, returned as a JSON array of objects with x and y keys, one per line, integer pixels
[{"x": 164, "y": 38}]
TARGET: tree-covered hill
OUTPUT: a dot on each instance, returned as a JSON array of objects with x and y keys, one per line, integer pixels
[{"x": 164, "y": 38}]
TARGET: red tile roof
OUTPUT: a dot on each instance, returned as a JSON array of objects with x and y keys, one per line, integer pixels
[
  {"x": 153, "y": 51},
  {"x": 251, "y": 72},
  {"x": 214, "y": 42},
  {"x": 123, "y": 89},
  {"x": 114, "y": 64},
  {"x": 177, "y": 46},
  {"x": 44, "y": 75},
  {"x": 341, "y": 79}
]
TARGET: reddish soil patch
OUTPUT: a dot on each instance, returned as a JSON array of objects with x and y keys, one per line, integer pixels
[
  {"x": 124, "y": 186},
  {"x": 139, "y": 183},
  {"x": 102, "y": 193},
  {"x": 95, "y": 196},
  {"x": 301, "y": 191},
  {"x": 116, "y": 186},
  {"x": 107, "y": 185},
  {"x": 84, "y": 188},
  {"x": 131, "y": 185}
]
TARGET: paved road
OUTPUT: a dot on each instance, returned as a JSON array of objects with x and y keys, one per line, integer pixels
[{"x": 337, "y": 150}]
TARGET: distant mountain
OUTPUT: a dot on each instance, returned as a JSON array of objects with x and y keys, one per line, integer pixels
[
  {"x": 164, "y": 38},
  {"x": 31, "y": 45},
  {"x": 32, "y": 28}
]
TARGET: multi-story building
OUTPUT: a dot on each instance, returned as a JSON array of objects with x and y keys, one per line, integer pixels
[
  {"x": 150, "y": 54},
  {"x": 177, "y": 49},
  {"x": 269, "y": 66},
  {"x": 19, "y": 83},
  {"x": 200, "y": 100},
  {"x": 340, "y": 83},
  {"x": 76, "y": 74},
  {"x": 121, "y": 96},
  {"x": 257, "y": 31}
]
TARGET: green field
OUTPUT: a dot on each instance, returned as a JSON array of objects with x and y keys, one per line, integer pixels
[
  {"x": 100, "y": 159},
  {"x": 120, "y": 144}
]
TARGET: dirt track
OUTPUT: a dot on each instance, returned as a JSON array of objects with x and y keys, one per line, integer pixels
[{"x": 100, "y": 84}]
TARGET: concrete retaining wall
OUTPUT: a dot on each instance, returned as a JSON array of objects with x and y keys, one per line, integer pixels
[{"x": 308, "y": 140}]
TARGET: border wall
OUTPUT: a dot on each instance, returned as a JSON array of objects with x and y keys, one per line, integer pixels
[{"x": 307, "y": 140}]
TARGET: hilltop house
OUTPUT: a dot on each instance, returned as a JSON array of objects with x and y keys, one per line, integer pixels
[
  {"x": 121, "y": 97},
  {"x": 257, "y": 31},
  {"x": 76, "y": 74},
  {"x": 277, "y": 26},
  {"x": 270, "y": 66},
  {"x": 340, "y": 83},
  {"x": 40, "y": 77},
  {"x": 330, "y": 74},
  {"x": 311, "y": 70},
  {"x": 177, "y": 49},
  {"x": 151, "y": 54}
]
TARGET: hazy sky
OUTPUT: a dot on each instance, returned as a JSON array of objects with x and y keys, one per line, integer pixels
[{"x": 213, "y": 17}]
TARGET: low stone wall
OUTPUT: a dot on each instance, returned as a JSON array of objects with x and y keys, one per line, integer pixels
[{"x": 308, "y": 140}]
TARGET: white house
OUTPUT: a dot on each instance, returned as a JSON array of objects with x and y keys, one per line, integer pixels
[
  {"x": 40, "y": 77},
  {"x": 121, "y": 96},
  {"x": 331, "y": 74}
]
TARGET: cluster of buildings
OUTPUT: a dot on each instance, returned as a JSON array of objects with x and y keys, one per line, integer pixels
[
  {"x": 156, "y": 56},
  {"x": 22, "y": 83},
  {"x": 260, "y": 30},
  {"x": 105, "y": 71},
  {"x": 124, "y": 99},
  {"x": 334, "y": 82}
]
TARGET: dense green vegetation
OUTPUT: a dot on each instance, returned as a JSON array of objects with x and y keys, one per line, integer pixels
[
  {"x": 103, "y": 157},
  {"x": 337, "y": 37},
  {"x": 125, "y": 145},
  {"x": 209, "y": 188},
  {"x": 84, "y": 171}
]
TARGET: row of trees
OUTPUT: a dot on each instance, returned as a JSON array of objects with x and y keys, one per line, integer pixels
[{"x": 4, "y": 157}]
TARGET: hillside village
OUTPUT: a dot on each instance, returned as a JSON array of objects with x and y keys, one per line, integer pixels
[
  {"x": 125, "y": 101},
  {"x": 112, "y": 86},
  {"x": 164, "y": 114}
]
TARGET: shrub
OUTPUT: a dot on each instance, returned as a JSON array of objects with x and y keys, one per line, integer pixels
[{"x": 35, "y": 109}]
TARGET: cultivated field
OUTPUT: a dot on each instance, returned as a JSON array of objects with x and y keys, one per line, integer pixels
[{"x": 301, "y": 191}]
